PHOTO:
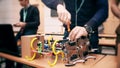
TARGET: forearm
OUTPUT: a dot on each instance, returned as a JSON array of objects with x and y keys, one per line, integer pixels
[
  {"x": 51, "y": 3},
  {"x": 34, "y": 23},
  {"x": 100, "y": 16}
]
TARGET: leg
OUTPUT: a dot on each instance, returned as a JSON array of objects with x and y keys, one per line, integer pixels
[{"x": 94, "y": 43}]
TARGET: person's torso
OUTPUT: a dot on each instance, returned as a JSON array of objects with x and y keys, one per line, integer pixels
[
  {"x": 30, "y": 18},
  {"x": 29, "y": 15},
  {"x": 81, "y": 10}
]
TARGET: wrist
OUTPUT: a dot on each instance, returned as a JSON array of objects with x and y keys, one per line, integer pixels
[
  {"x": 59, "y": 6},
  {"x": 88, "y": 29}
]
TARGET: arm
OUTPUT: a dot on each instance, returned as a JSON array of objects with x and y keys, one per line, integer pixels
[
  {"x": 63, "y": 15},
  {"x": 21, "y": 15},
  {"x": 51, "y": 3},
  {"x": 114, "y": 8},
  {"x": 31, "y": 22},
  {"x": 101, "y": 14}
]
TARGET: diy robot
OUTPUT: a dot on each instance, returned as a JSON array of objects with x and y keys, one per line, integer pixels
[
  {"x": 72, "y": 52},
  {"x": 77, "y": 51}
]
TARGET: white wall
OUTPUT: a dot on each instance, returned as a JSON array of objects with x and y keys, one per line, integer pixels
[
  {"x": 8, "y": 12},
  {"x": 52, "y": 24}
]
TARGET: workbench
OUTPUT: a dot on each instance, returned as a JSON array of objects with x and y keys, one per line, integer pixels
[{"x": 102, "y": 61}]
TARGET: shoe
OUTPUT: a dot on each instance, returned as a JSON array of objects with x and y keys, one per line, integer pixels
[{"x": 95, "y": 51}]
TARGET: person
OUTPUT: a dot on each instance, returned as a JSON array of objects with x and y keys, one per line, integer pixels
[
  {"x": 29, "y": 22},
  {"x": 115, "y": 8},
  {"x": 29, "y": 19},
  {"x": 116, "y": 11},
  {"x": 83, "y": 16}
]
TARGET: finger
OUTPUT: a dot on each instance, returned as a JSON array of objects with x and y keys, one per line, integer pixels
[
  {"x": 67, "y": 19},
  {"x": 70, "y": 35},
  {"x": 60, "y": 13},
  {"x": 73, "y": 34},
  {"x": 62, "y": 17},
  {"x": 81, "y": 32},
  {"x": 78, "y": 35},
  {"x": 59, "y": 16}
]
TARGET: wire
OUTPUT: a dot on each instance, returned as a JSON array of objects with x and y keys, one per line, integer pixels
[
  {"x": 80, "y": 6},
  {"x": 77, "y": 10}
]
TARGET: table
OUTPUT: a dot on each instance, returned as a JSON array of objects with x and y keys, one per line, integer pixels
[{"x": 102, "y": 61}]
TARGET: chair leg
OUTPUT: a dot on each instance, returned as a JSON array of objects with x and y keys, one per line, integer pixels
[
  {"x": 115, "y": 49},
  {"x": 9, "y": 63},
  {"x": 2, "y": 60},
  {"x": 100, "y": 48}
]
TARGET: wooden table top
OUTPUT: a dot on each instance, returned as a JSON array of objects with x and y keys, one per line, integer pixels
[{"x": 106, "y": 61}]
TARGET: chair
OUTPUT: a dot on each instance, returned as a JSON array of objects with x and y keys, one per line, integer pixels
[{"x": 8, "y": 43}]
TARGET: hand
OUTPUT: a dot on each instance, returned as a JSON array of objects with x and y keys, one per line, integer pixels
[
  {"x": 77, "y": 32},
  {"x": 20, "y": 24},
  {"x": 63, "y": 15}
]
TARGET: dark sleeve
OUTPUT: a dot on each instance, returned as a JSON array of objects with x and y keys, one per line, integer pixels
[
  {"x": 21, "y": 15},
  {"x": 101, "y": 14},
  {"x": 51, "y": 3},
  {"x": 36, "y": 18}
]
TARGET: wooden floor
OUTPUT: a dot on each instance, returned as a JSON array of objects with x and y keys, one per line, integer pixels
[
  {"x": 107, "y": 62},
  {"x": 102, "y": 61}
]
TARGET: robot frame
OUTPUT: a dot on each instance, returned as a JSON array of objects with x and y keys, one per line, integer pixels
[{"x": 72, "y": 51}]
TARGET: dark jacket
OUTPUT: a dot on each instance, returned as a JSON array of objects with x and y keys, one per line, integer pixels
[
  {"x": 32, "y": 21},
  {"x": 90, "y": 12}
]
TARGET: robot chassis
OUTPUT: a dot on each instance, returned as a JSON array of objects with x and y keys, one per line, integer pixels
[
  {"x": 77, "y": 51},
  {"x": 72, "y": 51}
]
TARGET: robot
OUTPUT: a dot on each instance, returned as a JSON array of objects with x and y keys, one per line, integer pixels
[{"x": 77, "y": 51}]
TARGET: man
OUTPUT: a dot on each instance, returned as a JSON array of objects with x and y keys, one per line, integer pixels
[
  {"x": 84, "y": 17},
  {"x": 116, "y": 11},
  {"x": 115, "y": 8},
  {"x": 29, "y": 19}
]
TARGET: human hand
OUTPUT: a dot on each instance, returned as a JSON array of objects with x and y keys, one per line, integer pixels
[
  {"x": 77, "y": 32},
  {"x": 63, "y": 15},
  {"x": 20, "y": 24}
]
